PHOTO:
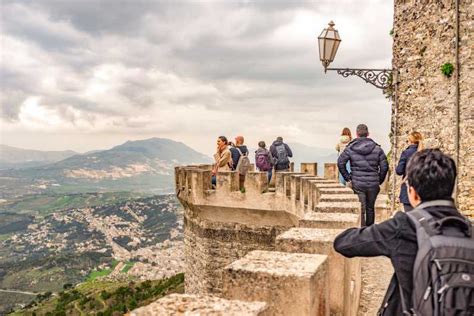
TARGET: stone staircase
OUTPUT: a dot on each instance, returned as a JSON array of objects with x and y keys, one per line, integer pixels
[{"x": 266, "y": 252}]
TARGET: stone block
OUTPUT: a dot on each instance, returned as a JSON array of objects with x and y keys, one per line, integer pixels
[
  {"x": 309, "y": 168},
  {"x": 329, "y": 220},
  {"x": 256, "y": 182},
  {"x": 290, "y": 283},
  {"x": 330, "y": 171},
  {"x": 227, "y": 181},
  {"x": 195, "y": 305},
  {"x": 344, "y": 273}
]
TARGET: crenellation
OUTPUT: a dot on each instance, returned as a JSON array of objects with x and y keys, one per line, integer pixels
[{"x": 225, "y": 224}]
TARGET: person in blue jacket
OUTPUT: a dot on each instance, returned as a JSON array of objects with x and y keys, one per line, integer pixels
[{"x": 415, "y": 139}]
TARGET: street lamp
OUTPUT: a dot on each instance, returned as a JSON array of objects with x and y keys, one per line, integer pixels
[{"x": 329, "y": 41}]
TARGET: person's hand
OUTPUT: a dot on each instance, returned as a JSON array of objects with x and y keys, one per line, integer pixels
[{"x": 349, "y": 184}]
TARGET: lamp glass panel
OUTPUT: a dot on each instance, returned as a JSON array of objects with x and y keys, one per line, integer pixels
[
  {"x": 328, "y": 49},
  {"x": 330, "y": 34},
  {"x": 334, "y": 50},
  {"x": 321, "y": 48}
]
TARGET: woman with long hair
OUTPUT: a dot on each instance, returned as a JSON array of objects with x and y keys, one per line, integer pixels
[
  {"x": 222, "y": 158},
  {"x": 344, "y": 140},
  {"x": 415, "y": 143}
]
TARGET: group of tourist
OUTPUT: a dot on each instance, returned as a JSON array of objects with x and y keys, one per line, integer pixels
[
  {"x": 430, "y": 230},
  {"x": 234, "y": 157},
  {"x": 442, "y": 284}
]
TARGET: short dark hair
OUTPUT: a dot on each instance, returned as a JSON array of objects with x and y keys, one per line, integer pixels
[
  {"x": 261, "y": 144},
  {"x": 432, "y": 174},
  {"x": 279, "y": 138},
  {"x": 362, "y": 130}
]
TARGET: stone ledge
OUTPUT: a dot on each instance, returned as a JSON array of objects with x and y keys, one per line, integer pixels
[
  {"x": 329, "y": 220},
  {"x": 291, "y": 283},
  {"x": 182, "y": 304},
  {"x": 282, "y": 264}
]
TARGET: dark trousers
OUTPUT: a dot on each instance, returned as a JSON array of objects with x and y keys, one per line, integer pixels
[{"x": 367, "y": 199}]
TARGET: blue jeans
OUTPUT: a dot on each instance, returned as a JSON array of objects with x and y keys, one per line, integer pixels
[
  {"x": 213, "y": 180},
  {"x": 341, "y": 178},
  {"x": 269, "y": 173}
]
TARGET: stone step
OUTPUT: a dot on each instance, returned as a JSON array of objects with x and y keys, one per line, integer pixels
[
  {"x": 344, "y": 273},
  {"x": 329, "y": 220},
  {"x": 338, "y": 198},
  {"x": 290, "y": 283},
  {"x": 336, "y": 190},
  {"x": 183, "y": 304},
  {"x": 338, "y": 207}
]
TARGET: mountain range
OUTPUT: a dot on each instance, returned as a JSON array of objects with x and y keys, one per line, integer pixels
[
  {"x": 12, "y": 157},
  {"x": 143, "y": 165}
]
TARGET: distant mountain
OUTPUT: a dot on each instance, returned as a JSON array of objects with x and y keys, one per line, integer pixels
[
  {"x": 12, "y": 157},
  {"x": 304, "y": 153},
  {"x": 143, "y": 165}
]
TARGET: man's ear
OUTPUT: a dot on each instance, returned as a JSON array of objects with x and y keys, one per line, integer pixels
[{"x": 413, "y": 196}]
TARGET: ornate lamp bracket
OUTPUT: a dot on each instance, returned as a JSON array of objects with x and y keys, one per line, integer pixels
[{"x": 380, "y": 78}]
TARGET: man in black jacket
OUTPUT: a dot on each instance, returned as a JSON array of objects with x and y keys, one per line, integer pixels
[
  {"x": 369, "y": 168},
  {"x": 431, "y": 176}
]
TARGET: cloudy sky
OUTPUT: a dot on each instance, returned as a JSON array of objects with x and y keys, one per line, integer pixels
[{"x": 92, "y": 74}]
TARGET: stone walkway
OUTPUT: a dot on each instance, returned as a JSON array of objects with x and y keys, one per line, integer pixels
[{"x": 376, "y": 275}]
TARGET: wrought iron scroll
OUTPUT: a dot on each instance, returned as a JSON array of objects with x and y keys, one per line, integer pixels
[{"x": 381, "y": 78}]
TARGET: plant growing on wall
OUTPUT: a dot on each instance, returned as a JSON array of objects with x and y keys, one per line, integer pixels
[
  {"x": 391, "y": 32},
  {"x": 447, "y": 69}
]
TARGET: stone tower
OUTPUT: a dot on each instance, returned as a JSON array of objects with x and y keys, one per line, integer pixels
[{"x": 428, "y": 34}]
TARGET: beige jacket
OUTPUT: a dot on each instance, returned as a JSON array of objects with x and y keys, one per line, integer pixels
[
  {"x": 343, "y": 142},
  {"x": 223, "y": 161}
]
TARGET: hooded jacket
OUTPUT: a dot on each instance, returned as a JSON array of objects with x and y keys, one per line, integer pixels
[
  {"x": 273, "y": 151},
  {"x": 369, "y": 164}
]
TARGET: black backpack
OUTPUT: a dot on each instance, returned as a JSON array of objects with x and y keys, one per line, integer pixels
[{"x": 443, "y": 272}]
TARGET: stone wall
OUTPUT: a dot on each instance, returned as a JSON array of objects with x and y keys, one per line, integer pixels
[{"x": 424, "y": 39}]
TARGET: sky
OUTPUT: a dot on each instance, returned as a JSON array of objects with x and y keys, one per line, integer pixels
[{"x": 85, "y": 75}]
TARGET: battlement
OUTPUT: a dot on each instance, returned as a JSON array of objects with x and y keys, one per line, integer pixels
[
  {"x": 271, "y": 242},
  {"x": 294, "y": 192}
]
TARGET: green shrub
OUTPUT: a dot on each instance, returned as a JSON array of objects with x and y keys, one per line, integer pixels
[{"x": 447, "y": 69}]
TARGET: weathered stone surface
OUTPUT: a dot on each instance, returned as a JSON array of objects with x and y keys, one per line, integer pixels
[
  {"x": 338, "y": 207},
  {"x": 344, "y": 273},
  {"x": 291, "y": 283},
  {"x": 329, "y": 220},
  {"x": 194, "y": 305},
  {"x": 330, "y": 171},
  {"x": 424, "y": 40},
  {"x": 338, "y": 198}
]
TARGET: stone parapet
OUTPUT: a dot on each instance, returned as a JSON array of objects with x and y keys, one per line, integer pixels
[
  {"x": 223, "y": 225},
  {"x": 344, "y": 273},
  {"x": 290, "y": 283},
  {"x": 195, "y": 305}
]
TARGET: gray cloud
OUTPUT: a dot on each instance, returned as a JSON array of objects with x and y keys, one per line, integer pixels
[{"x": 164, "y": 66}]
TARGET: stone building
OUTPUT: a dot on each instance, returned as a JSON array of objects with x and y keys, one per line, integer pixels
[{"x": 427, "y": 35}]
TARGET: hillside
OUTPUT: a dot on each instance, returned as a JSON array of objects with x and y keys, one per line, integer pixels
[
  {"x": 144, "y": 166},
  {"x": 103, "y": 297},
  {"x": 12, "y": 157}
]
